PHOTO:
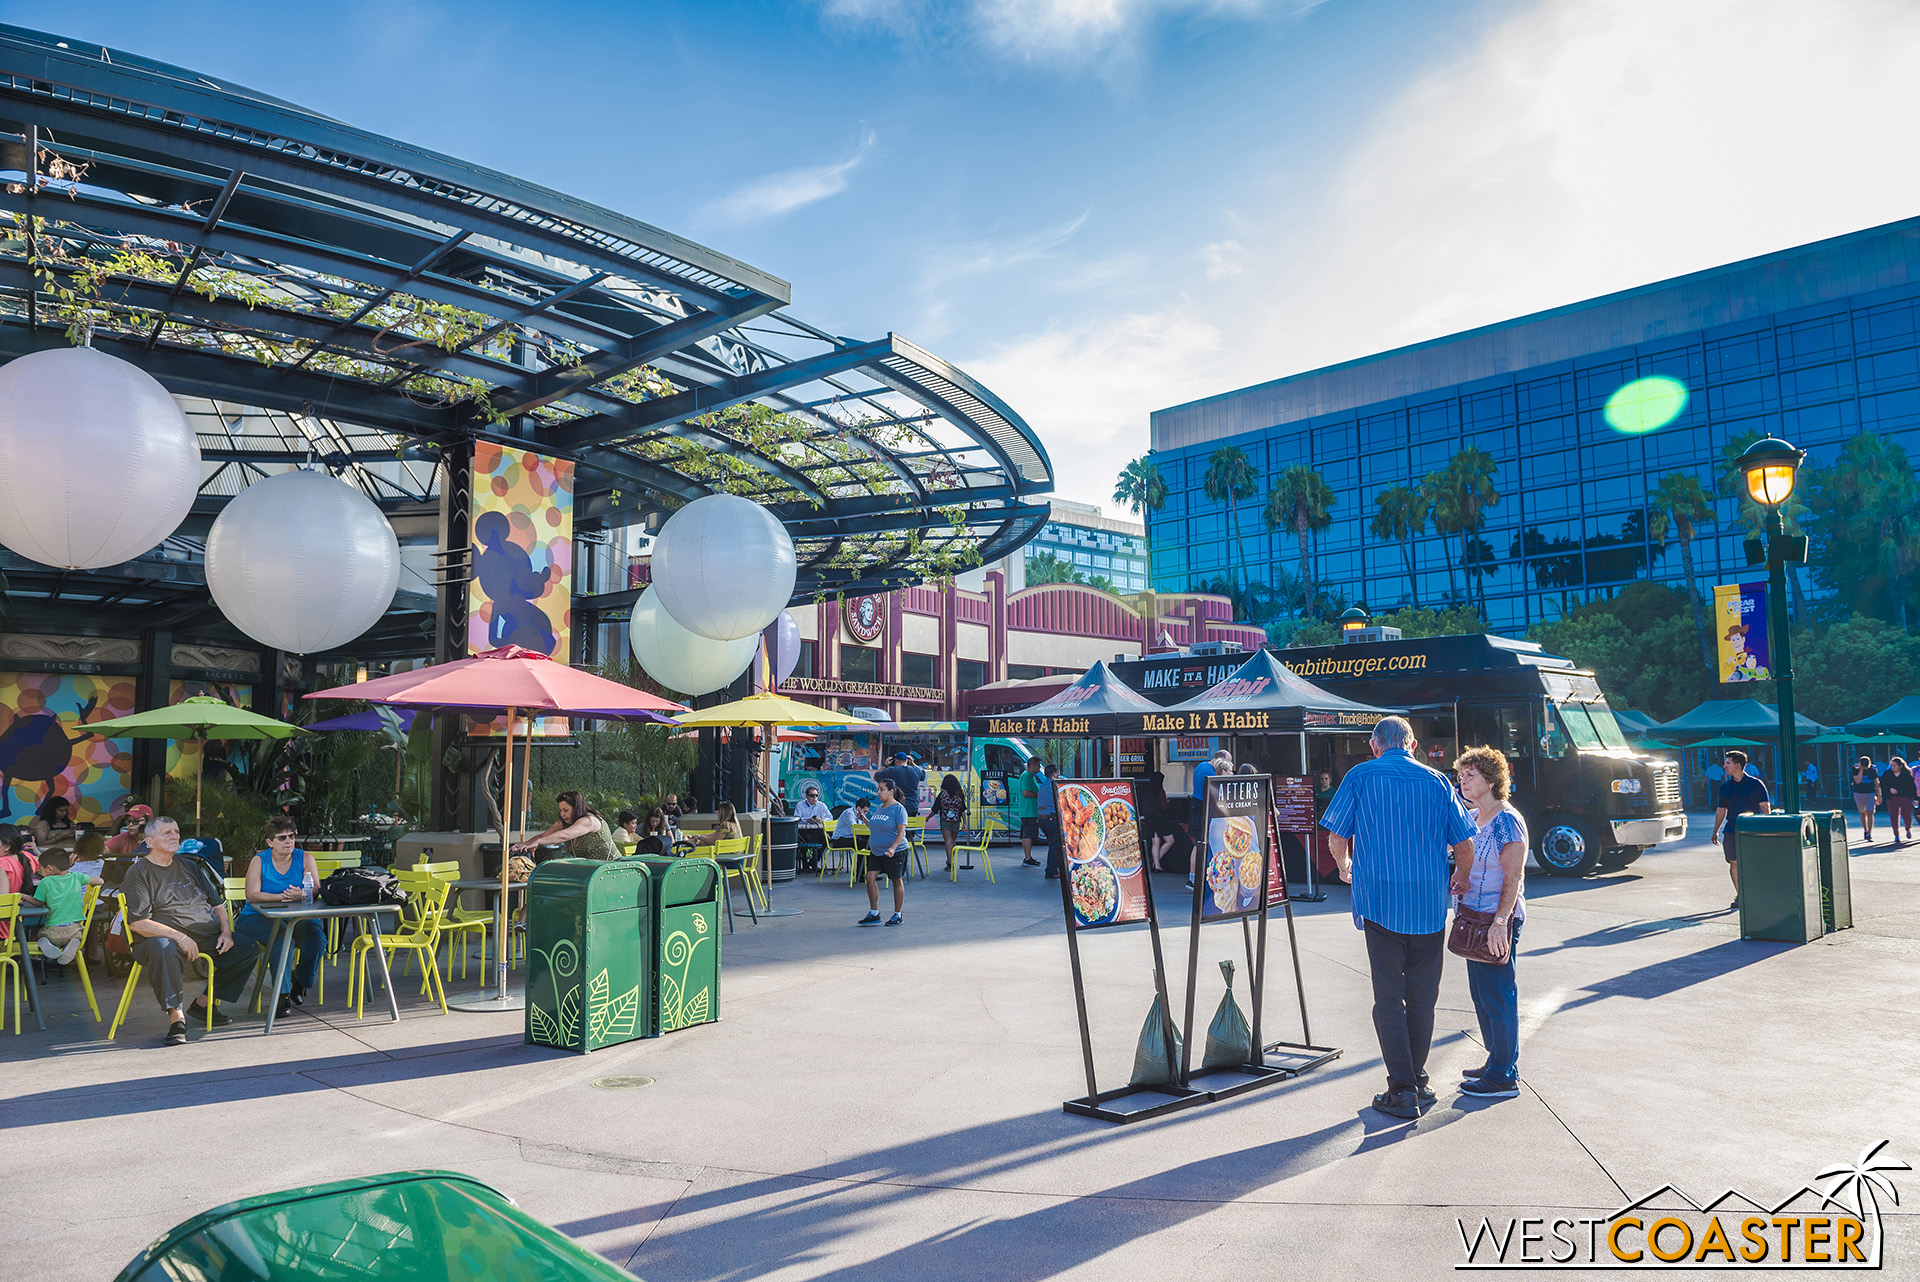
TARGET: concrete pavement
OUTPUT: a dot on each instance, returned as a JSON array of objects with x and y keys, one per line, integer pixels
[{"x": 885, "y": 1103}]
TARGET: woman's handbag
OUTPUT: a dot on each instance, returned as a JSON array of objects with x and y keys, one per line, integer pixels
[{"x": 1468, "y": 938}]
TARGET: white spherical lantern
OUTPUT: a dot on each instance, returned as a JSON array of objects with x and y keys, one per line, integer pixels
[
  {"x": 783, "y": 645},
  {"x": 680, "y": 660},
  {"x": 302, "y": 562},
  {"x": 97, "y": 463},
  {"x": 724, "y": 567}
]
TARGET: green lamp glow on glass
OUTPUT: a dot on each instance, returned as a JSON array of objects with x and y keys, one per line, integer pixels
[{"x": 1646, "y": 404}]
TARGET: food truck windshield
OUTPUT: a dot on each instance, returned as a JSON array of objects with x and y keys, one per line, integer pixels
[{"x": 1590, "y": 726}]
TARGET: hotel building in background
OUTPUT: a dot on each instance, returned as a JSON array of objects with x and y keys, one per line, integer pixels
[{"x": 1811, "y": 344}]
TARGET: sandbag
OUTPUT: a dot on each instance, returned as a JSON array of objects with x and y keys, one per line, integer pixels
[
  {"x": 1156, "y": 1056},
  {"x": 1229, "y": 1040}
]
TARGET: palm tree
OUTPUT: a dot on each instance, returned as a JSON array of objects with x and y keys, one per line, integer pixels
[
  {"x": 1401, "y": 515},
  {"x": 1679, "y": 501},
  {"x": 1140, "y": 487},
  {"x": 1433, "y": 494},
  {"x": 1862, "y": 1182},
  {"x": 1231, "y": 480},
  {"x": 1874, "y": 485},
  {"x": 1463, "y": 493},
  {"x": 1301, "y": 501}
]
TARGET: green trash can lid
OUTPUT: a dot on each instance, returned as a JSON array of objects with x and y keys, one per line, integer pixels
[
  {"x": 422, "y": 1226},
  {"x": 1775, "y": 823}
]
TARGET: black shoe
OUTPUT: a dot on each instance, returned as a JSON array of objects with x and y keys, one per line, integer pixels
[
  {"x": 1029, "y": 862},
  {"x": 299, "y": 995},
  {"x": 284, "y": 1006},
  {"x": 1427, "y": 1099},
  {"x": 1474, "y": 1074},
  {"x": 1490, "y": 1088},
  {"x": 1053, "y": 876},
  {"x": 176, "y": 1033},
  {"x": 1401, "y": 1104},
  {"x": 198, "y": 1011}
]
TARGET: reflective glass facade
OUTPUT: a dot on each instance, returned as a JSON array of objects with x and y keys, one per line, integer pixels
[
  {"x": 1120, "y": 556},
  {"x": 1811, "y": 344}
]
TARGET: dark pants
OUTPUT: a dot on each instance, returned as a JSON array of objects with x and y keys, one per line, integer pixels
[
  {"x": 166, "y": 968},
  {"x": 1406, "y": 984},
  {"x": 309, "y": 942},
  {"x": 1050, "y": 829},
  {"x": 1496, "y": 1000}
]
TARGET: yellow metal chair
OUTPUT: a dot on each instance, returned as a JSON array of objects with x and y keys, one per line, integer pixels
[
  {"x": 133, "y": 982},
  {"x": 456, "y": 922},
  {"x": 80, "y": 958},
  {"x": 987, "y": 828},
  {"x": 12, "y": 957},
  {"x": 917, "y": 843},
  {"x": 734, "y": 856},
  {"x": 840, "y": 854},
  {"x": 426, "y": 900}
]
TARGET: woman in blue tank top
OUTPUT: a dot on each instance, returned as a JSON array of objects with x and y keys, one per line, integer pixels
[{"x": 278, "y": 875}]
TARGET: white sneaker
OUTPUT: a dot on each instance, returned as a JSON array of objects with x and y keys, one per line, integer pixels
[
  {"x": 71, "y": 951},
  {"x": 49, "y": 950}
]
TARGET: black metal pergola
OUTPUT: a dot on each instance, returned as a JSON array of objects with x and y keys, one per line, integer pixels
[{"x": 316, "y": 293}]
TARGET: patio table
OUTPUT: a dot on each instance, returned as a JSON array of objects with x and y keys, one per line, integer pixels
[
  {"x": 31, "y": 915},
  {"x": 282, "y": 940}
]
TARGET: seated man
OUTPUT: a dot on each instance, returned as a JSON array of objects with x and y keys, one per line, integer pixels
[
  {"x": 814, "y": 818},
  {"x": 843, "y": 827},
  {"x": 174, "y": 913}
]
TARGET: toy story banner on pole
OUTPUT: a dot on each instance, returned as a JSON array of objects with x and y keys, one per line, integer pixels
[
  {"x": 521, "y": 592},
  {"x": 1740, "y": 632}
]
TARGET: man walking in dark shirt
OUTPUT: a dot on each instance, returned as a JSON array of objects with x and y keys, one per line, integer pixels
[
  {"x": 1740, "y": 794},
  {"x": 906, "y": 779},
  {"x": 173, "y": 917}
]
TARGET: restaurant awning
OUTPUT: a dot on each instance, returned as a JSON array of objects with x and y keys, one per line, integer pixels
[
  {"x": 1263, "y": 696},
  {"x": 1096, "y": 706}
]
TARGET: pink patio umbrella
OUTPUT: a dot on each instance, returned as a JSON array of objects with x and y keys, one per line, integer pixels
[{"x": 508, "y": 682}]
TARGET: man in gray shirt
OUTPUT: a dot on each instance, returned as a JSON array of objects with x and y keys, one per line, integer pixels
[{"x": 173, "y": 916}]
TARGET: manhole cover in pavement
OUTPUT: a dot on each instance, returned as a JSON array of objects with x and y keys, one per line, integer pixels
[{"x": 620, "y": 1083}]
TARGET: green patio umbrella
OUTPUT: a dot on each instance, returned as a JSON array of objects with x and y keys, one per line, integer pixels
[
  {"x": 1834, "y": 736},
  {"x": 1724, "y": 741},
  {"x": 198, "y": 718}
]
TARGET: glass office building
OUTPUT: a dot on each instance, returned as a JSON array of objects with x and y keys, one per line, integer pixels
[
  {"x": 1095, "y": 544},
  {"x": 1812, "y": 344}
]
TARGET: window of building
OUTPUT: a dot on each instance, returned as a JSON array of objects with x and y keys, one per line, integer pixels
[
  {"x": 858, "y": 663},
  {"x": 1025, "y": 671},
  {"x": 916, "y": 670},
  {"x": 806, "y": 666},
  {"x": 970, "y": 674}
]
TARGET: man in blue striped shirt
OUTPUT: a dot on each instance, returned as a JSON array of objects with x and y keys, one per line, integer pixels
[{"x": 1390, "y": 827}]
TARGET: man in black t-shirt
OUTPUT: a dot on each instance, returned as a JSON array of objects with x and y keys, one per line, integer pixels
[
  {"x": 906, "y": 779},
  {"x": 1740, "y": 794}
]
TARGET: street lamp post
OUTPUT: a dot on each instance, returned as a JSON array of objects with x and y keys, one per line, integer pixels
[{"x": 1770, "y": 467}]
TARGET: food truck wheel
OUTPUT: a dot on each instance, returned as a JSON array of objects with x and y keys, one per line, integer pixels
[
  {"x": 1568, "y": 847},
  {"x": 1621, "y": 856}
]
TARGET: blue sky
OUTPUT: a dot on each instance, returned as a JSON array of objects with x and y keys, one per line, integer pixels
[{"x": 1104, "y": 207}]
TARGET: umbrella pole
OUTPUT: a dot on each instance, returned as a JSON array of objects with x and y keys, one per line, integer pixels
[
  {"x": 199, "y": 775},
  {"x": 500, "y": 999},
  {"x": 770, "y": 742}
]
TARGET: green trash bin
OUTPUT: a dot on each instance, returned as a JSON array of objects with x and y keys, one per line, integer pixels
[
  {"x": 1779, "y": 877},
  {"x": 589, "y": 953},
  {"x": 420, "y": 1226},
  {"x": 1836, "y": 883},
  {"x": 686, "y": 895}
]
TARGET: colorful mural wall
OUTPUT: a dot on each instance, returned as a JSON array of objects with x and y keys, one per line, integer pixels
[
  {"x": 521, "y": 592},
  {"x": 45, "y": 750}
]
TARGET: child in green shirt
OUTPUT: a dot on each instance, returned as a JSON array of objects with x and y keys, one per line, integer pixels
[{"x": 64, "y": 892}]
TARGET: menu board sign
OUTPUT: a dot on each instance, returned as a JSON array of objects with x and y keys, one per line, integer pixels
[
  {"x": 993, "y": 788},
  {"x": 1106, "y": 881},
  {"x": 1239, "y": 828},
  {"x": 1293, "y": 809}
]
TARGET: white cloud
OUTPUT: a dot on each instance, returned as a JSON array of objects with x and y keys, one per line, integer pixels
[
  {"x": 1047, "y": 30},
  {"x": 790, "y": 189},
  {"x": 1581, "y": 147}
]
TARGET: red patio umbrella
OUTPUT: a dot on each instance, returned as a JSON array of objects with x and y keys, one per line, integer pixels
[{"x": 508, "y": 682}]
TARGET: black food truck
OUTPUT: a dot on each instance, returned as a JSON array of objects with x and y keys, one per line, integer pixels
[{"x": 1590, "y": 801}]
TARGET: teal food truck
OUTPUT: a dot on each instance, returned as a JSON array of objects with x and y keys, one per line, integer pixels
[{"x": 842, "y": 759}]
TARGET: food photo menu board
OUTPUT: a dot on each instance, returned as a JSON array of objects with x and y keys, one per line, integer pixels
[
  {"x": 1235, "y": 864},
  {"x": 1106, "y": 874}
]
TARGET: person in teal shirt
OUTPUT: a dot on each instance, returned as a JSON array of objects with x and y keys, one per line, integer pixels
[
  {"x": 64, "y": 892},
  {"x": 1026, "y": 807}
]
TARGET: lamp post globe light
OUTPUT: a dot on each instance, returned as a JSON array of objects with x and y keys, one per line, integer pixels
[{"x": 1770, "y": 468}]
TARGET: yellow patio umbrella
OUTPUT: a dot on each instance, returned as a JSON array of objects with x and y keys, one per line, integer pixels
[{"x": 770, "y": 711}]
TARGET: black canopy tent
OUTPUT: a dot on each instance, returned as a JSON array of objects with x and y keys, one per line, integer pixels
[
  {"x": 1097, "y": 706},
  {"x": 1263, "y": 697}
]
